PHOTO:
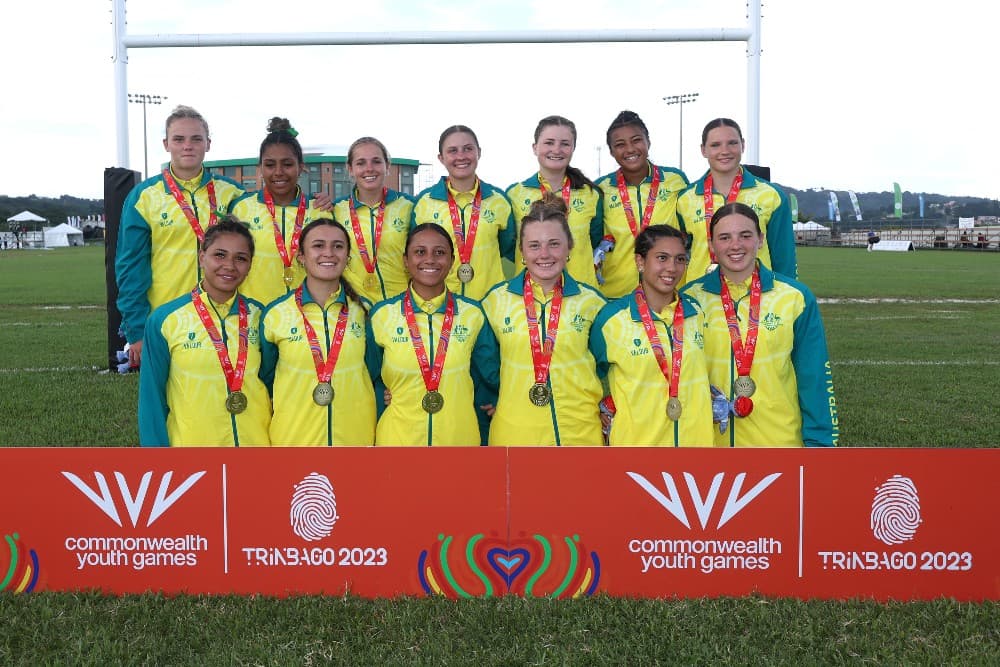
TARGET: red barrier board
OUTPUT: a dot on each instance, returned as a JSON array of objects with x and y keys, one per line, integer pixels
[{"x": 470, "y": 522}]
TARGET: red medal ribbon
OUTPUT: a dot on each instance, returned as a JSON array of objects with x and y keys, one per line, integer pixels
[
  {"x": 359, "y": 237},
  {"x": 541, "y": 353},
  {"x": 647, "y": 215},
  {"x": 432, "y": 376},
  {"x": 186, "y": 207},
  {"x": 565, "y": 188},
  {"x": 743, "y": 352},
  {"x": 324, "y": 370},
  {"x": 465, "y": 240},
  {"x": 279, "y": 241},
  {"x": 234, "y": 376},
  {"x": 734, "y": 191},
  {"x": 671, "y": 369}
]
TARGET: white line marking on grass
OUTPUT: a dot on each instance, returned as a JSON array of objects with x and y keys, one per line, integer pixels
[
  {"x": 83, "y": 307},
  {"x": 53, "y": 369},
  {"x": 877, "y": 300},
  {"x": 914, "y": 362},
  {"x": 33, "y": 324},
  {"x": 902, "y": 317}
]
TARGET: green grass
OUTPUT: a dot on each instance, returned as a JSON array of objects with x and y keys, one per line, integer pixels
[
  {"x": 913, "y": 373},
  {"x": 150, "y": 629}
]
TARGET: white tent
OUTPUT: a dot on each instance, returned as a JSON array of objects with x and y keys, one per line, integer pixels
[
  {"x": 26, "y": 216},
  {"x": 809, "y": 227},
  {"x": 62, "y": 236}
]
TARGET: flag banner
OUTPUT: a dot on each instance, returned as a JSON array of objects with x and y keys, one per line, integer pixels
[
  {"x": 835, "y": 205},
  {"x": 855, "y": 204},
  {"x": 897, "y": 202}
]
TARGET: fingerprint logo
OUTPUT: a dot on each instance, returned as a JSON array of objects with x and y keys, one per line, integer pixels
[
  {"x": 314, "y": 508},
  {"x": 895, "y": 510},
  {"x": 19, "y": 567}
]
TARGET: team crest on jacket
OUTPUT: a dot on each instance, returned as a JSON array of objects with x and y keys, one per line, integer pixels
[
  {"x": 398, "y": 224},
  {"x": 356, "y": 330},
  {"x": 699, "y": 340},
  {"x": 255, "y": 224},
  {"x": 489, "y": 215},
  {"x": 579, "y": 322},
  {"x": 771, "y": 321},
  {"x": 461, "y": 333},
  {"x": 578, "y": 204}
]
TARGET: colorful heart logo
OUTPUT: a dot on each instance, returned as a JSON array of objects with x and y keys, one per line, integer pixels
[{"x": 508, "y": 564}]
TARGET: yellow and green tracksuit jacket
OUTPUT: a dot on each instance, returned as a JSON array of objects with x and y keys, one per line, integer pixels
[
  {"x": 768, "y": 201},
  {"x": 288, "y": 370},
  {"x": 157, "y": 255},
  {"x": 471, "y": 367},
  {"x": 266, "y": 280},
  {"x": 625, "y": 357},
  {"x": 794, "y": 404},
  {"x": 620, "y": 274},
  {"x": 495, "y": 238},
  {"x": 571, "y": 417},
  {"x": 182, "y": 388},
  {"x": 586, "y": 222},
  {"x": 389, "y": 272}
]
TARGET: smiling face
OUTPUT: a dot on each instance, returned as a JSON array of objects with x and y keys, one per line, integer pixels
[
  {"x": 735, "y": 242},
  {"x": 224, "y": 265},
  {"x": 554, "y": 149},
  {"x": 723, "y": 148},
  {"x": 368, "y": 167},
  {"x": 630, "y": 148},
  {"x": 280, "y": 170},
  {"x": 460, "y": 156},
  {"x": 663, "y": 268},
  {"x": 545, "y": 249},
  {"x": 323, "y": 253},
  {"x": 187, "y": 142},
  {"x": 428, "y": 260}
]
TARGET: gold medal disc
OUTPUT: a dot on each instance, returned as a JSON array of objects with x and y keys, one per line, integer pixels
[
  {"x": 540, "y": 394},
  {"x": 465, "y": 273},
  {"x": 744, "y": 386},
  {"x": 673, "y": 408},
  {"x": 432, "y": 402},
  {"x": 323, "y": 394},
  {"x": 370, "y": 282},
  {"x": 289, "y": 277},
  {"x": 236, "y": 402}
]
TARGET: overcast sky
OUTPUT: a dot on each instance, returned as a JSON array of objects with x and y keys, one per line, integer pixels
[{"x": 854, "y": 95}]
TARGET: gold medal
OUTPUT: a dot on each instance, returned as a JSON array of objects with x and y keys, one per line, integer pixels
[
  {"x": 236, "y": 402},
  {"x": 432, "y": 402},
  {"x": 744, "y": 386},
  {"x": 465, "y": 273},
  {"x": 540, "y": 394},
  {"x": 711, "y": 267},
  {"x": 673, "y": 408},
  {"x": 323, "y": 394},
  {"x": 289, "y": 277},
  {"x": 371, "y": 282}
]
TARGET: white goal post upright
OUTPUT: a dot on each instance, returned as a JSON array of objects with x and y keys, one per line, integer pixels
[{"x": 123, "y": 42}]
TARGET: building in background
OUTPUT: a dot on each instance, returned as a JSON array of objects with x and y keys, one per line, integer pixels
[{"x": 324, "y": 173}]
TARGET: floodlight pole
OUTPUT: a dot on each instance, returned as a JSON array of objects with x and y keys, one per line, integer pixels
[
  {"x": 680, "y": 100},
  {"x": 144, "y": 99}
]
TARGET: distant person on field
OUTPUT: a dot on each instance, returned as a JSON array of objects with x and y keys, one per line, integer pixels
[
  {"x": 765, "y": 347},
  {"x": 872, "y": 239},
  {"x": 727, "y": 181},
  {"x": 199, "y": 384},
  {"x": 163, "y": 223}
]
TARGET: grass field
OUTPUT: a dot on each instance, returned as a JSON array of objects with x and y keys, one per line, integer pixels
[{"x": 914, "y": 340}]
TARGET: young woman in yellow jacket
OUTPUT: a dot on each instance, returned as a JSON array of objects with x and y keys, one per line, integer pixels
[
  {"x": 315, "y": 358},
  {"x": 549, "y": 391}
]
